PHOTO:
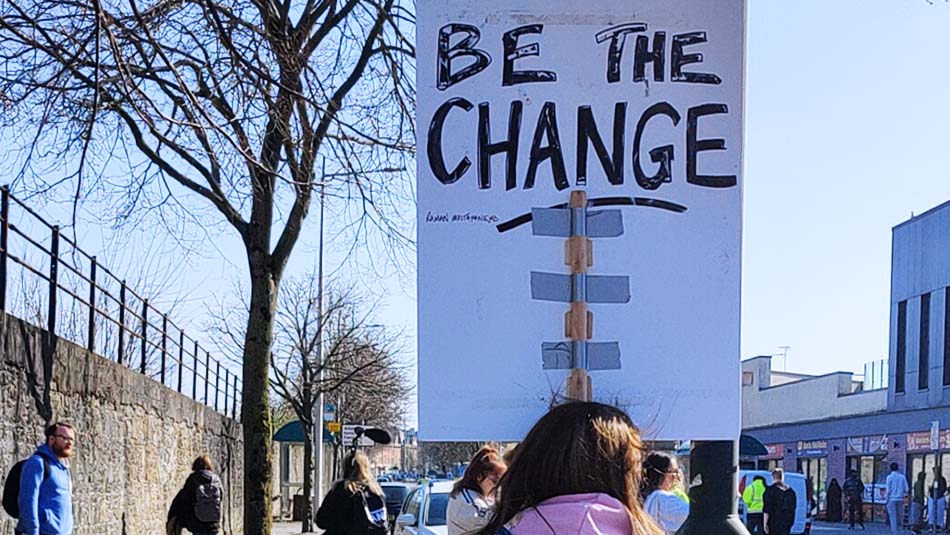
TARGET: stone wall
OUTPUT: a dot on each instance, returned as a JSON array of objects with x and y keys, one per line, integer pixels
[{"x": 136, "y": 439}]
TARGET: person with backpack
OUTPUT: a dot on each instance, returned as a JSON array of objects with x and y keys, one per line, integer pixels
[
  {"x": 778, "y": 505},
  {"x": 854, "y": 497},
  {"x": 38, "y": 490},
  {"x": 356, "y": 504},
  {"x": 197, "y": 506},
  {"x": 473, "y": 496}
]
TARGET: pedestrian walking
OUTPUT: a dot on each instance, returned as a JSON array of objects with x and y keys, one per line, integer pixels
[
  {"x": 660, "y": 474},
  {"x": 936, "y": 500},
  {"x": 578, "y": 472},
  {"x": 779, "y": 504},
  {"x": 44, "y": 498},
  {"x": 197, "y": 506},
  {"x": 896, "y": 485},
  {"x": 356, "y": 504},
  {"x": 753, "y": 496},
  {"x": 472, "y": 499},
  {"x": 833, "y": 501},
  {"x": 854, "y": 498},
  {"x": 918, "y": 501}
]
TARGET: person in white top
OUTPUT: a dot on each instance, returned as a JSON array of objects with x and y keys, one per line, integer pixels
[
  {"x": 472, "y": 500},
  {"x": 897, "y": 490},
  {"x": 660, "y": 474}
]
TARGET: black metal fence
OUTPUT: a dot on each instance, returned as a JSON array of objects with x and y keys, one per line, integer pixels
[{"x": 99, "y": 310}]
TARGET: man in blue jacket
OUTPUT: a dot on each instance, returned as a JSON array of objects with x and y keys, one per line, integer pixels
[{"x": 46, "y": 491}]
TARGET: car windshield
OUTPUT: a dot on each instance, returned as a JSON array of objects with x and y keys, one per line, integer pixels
[
  {"x": 435, "y": 516},
  {"x": 395, "y": 494}
]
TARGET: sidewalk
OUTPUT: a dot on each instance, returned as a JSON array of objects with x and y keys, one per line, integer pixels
[
  {"x": 873, "y": 528},
  {"x": 286, "y": 528}
]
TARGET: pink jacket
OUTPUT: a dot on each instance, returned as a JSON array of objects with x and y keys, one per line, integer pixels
[{"x": 574, "y": 514}]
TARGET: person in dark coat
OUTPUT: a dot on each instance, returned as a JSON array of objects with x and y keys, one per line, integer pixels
[
  {"x": 343, "y": 512},
  {"x": 833, "y": 497},
  {"x": 854, "y": 497},
  {"x": 779, "y": 505},
  {"x": 197, "y": 506}
]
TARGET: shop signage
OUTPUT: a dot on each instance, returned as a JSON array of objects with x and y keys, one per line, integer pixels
[
  {"x": 813, "y": 448},
  {"x": 867, "y": 445},
  {"x": 934, "y": 435},
  {"x": 775, "y": 451},
  {"x": 919, "y": 441}
]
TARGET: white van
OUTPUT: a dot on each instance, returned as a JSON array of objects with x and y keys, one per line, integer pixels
[{"x": 796, "y": 481}]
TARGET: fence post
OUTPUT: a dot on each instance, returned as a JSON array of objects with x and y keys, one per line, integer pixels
[
  {"x": 194, "y": 375},
  {"x": 144, "y": 332},
  {"x": 217, "y": 383},
  {"x": 122, "y": 322},
  {"x": 164, "y": 345},
  {"x": 4, "y": 227},
  {"x": 207, "y": 374},
  {"x": 53, "y": 282},
  {"x": 91, "y": 341},
  {"x": 234, "y": 407},
  {"x": 181, "y": 356},
  {"x": 227, "y": 381}
]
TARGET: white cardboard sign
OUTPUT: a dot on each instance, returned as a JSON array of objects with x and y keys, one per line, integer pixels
[{"x": 640, "y": 105}]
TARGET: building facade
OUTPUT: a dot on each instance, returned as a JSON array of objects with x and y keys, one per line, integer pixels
[{"x": 824, "y": 426}]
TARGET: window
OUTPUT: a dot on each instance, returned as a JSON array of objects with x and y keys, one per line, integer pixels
[
  {"x": 747, "y": 378},
  {"x": 946, "y": 336},
  {"x": 923, "y": 356},
  {"x": 816, "y": 475},
  {"x": 435, "y": 514},
  {"x": 901, "y": 347},
  {"x": 413, "y": 503}
]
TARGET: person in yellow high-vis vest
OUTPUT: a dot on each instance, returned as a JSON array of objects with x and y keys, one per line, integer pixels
[{"x": 752, "y": 496}]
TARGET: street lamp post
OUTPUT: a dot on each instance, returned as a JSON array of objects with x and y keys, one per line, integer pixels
[{"x": 318, "y": 407}]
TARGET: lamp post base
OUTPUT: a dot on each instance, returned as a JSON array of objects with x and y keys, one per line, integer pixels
[{"x": 713, "y": 492}]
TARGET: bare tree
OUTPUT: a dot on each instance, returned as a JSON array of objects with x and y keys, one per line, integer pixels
[
  {"x": 445, "y": 455},
  {"x": 359, "y": 369},
  {"x": 217, "y": 111}
]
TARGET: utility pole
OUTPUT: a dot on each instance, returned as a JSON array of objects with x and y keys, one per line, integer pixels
[
  {"x": 784, "y": 357},
  {"x": 319, "y": 405}
]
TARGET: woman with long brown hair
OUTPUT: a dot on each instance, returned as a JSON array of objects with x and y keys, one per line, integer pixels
[
  {"x": 472, "y": 499},
  {"x": 576, "y": 473},
  {"x": 356, "y": 504}
]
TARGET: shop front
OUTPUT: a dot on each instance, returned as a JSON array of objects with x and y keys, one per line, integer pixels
[
  {"x": 813, "y": 463},
  {"x": 772, "y": 459},
  {"x": 927, "y": 450}
]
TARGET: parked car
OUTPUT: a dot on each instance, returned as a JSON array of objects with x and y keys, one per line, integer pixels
[
  {"x": 396, "y": 494},
  {"x": 423, "y": 512},
  {"x": 796, "y": 481}
]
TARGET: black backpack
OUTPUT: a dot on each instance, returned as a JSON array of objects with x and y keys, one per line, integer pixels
[
  {"x": 11, "y": 487},
  {"x": 789, "y": 503},
  {"x": 208, "y": 502}
]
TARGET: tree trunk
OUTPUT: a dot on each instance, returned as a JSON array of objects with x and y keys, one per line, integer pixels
[{"x": 255, "y": 410}]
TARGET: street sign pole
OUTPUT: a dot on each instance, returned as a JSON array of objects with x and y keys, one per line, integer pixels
[{"x": 713, "y": 465}]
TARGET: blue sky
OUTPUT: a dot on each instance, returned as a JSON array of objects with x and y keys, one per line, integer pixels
[{"x": 846, "y": 105}]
